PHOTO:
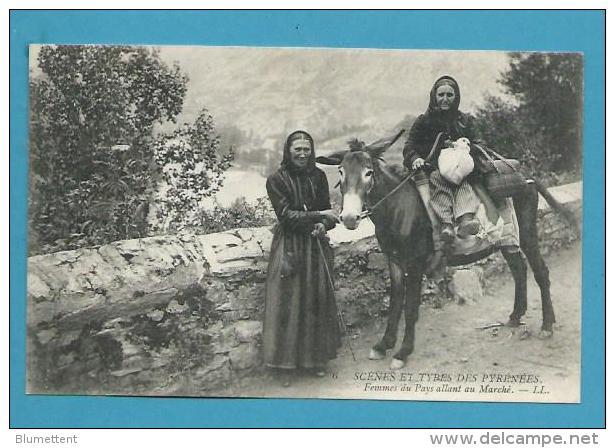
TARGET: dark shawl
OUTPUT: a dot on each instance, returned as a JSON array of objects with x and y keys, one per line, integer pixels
[{"x": 301, "y": 327}]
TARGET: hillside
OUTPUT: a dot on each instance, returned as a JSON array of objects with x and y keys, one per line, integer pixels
[{"x": 259, "y": 95}]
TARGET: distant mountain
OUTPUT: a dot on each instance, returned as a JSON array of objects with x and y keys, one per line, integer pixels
[{"x": 266, "y": 93}]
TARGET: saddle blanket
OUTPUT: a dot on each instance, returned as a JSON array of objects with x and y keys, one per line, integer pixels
[{"x": 499, "y": 228}]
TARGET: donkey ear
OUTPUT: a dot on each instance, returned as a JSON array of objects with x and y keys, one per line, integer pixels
[
  {"x": 331, "y": 159},
  {"x": 377, "y": 148}
]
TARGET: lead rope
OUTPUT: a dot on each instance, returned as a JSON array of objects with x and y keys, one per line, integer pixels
[
  {"x": 434, "y": 147},
  {"x": 368, "y": 212},
  {"x": 330, "y": 278}
]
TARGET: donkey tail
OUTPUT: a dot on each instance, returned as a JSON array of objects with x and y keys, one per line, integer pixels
[{"x": 557, "y": 206}]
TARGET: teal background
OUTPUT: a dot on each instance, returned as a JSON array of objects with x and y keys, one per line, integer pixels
[{"x": 579, "y": 31}]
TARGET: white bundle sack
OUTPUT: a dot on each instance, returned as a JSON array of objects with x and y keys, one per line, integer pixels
[{"x": 456, "y": 163}]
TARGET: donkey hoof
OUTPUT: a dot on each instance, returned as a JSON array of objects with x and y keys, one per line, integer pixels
[
  {"x": 397, "y": 364},
  {"x": 545, "y": 334},
  {"x": 513, "y": 323},
  {"x": 525, "y": 334},
  {"x": 375, "y": 354}
]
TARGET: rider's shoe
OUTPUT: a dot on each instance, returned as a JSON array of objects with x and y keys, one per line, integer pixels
[{"x": 468, "y": 226}]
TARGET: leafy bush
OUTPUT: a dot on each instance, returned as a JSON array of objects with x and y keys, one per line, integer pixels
[
  {"x": 95, "y": 161},
  {"x": 192, "y": 167},
  {"x": 92, "y": 113},
  {"x": 542, "y": 124},
  {"x": 239, "y": 214}
]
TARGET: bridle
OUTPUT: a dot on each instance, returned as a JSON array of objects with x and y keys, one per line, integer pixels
[{"x": 370, "y": 209}]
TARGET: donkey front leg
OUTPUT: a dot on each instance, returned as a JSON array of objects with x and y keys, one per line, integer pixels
[
  {"x": 396, "y": 303},
  {"x": 411, "y": 313}
]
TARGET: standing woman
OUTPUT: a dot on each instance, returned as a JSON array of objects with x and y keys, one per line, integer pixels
[{"x": 301, "y": 328}]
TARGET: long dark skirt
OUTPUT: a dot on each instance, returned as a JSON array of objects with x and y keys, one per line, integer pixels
[{"x": 301, "y": 326}]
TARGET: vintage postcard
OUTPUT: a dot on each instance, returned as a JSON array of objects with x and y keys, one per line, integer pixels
[{"x": 305, "y": 223}]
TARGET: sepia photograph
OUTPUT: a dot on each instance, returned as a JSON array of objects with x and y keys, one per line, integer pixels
[{"x": 381, "y": 224}]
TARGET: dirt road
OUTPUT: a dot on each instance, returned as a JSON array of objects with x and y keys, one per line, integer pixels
[{"x": 454, "y": 360}]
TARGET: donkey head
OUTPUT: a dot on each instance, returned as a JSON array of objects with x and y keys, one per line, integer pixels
[{"x": 357, "y": 167}]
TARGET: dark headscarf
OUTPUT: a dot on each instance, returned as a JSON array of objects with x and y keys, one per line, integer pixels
[
  {"x": 450, "y": 119},
  {"x": 287, "y": 161},
  {"x": 444, "y": 81}
]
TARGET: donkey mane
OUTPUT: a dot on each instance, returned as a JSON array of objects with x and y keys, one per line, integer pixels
[
  {"x": 394, "y": 171},
  {"x": 356, "y": 145}
]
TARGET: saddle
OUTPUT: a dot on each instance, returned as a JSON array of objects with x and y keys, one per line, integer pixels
[{"x": 499, "y": 226}]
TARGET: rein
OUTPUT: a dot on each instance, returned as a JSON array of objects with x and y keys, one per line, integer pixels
[{"x": 370, "y": 209}]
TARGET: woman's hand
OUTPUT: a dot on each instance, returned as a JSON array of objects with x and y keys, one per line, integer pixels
[
  {"x": 418, "y": 163},
  {"x": 319, "y": 230},
  {"x": 331, "y": 214}
]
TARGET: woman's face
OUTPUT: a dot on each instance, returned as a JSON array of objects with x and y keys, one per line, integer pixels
[
  {"x": 445, "y": 97},
  {"x": 300, "y": 151}
]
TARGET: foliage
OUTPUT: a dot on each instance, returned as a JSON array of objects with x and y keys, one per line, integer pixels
[
  {"x": 92, "y": 115},
  {"x": 203, "y": 220},
  {"x": 95, "y": 160},
  {"x": 542, "y": 125},
  {"x": 191, "y": 166},
  {"x": 239, "y": 214}
]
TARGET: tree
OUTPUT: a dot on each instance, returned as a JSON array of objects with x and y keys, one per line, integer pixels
[
  {"x": 544, "y": 123},
  {"x": 504, "y": 128},
  {"x": 191, "y": 165},
  {"x": 93, "y": 110}
]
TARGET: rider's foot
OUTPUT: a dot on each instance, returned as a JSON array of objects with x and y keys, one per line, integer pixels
[
  {"x": 468, "y": 226},
  {"x": 448, "y": 233}
]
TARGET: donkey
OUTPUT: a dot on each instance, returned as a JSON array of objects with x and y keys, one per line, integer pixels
[{"x": 403, "y": 231}]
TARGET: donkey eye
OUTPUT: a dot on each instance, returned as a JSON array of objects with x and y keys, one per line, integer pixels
[{"x": 369, "y": 173}]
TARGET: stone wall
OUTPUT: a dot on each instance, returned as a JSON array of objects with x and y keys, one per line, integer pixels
[{"x": 181, "y": 315}]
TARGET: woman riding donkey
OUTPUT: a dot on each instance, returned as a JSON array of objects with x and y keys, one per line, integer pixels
[
  {"x": 371, "y": 187},
  {"x": 447, "y": 203}
]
